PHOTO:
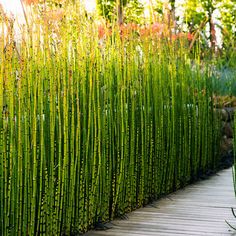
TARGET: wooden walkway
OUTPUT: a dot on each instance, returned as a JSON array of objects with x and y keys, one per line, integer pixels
[{"x": 199, "y": 209}]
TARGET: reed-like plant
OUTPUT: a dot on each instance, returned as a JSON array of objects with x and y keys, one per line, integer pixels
[{"x": 91, "y": 129}]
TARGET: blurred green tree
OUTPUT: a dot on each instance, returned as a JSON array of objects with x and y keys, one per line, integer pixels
[{"x": 111, "y": 8}]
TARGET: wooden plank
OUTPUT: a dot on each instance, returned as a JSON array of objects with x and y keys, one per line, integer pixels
[{"x": 199, "y": 209}]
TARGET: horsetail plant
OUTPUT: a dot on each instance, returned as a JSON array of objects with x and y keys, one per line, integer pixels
[{"x": 93, "y": 128}]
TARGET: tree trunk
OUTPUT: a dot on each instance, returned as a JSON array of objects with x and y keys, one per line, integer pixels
[
  {"x": 212, "y": 33},
  {"x": 120, "y": 12},
  {"x": 172, "y": 12}
]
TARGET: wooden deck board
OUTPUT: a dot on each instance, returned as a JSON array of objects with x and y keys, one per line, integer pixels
[{"x": 199, "y": 209}]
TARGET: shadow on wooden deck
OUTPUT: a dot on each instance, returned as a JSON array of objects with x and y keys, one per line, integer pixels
[{"x": 199, "y": 209}]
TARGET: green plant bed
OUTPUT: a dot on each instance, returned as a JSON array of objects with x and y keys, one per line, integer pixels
[{"x": 89, "y": 132}]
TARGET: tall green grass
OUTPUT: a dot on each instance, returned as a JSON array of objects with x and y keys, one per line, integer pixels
[{"x": 90, "y": 131}]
